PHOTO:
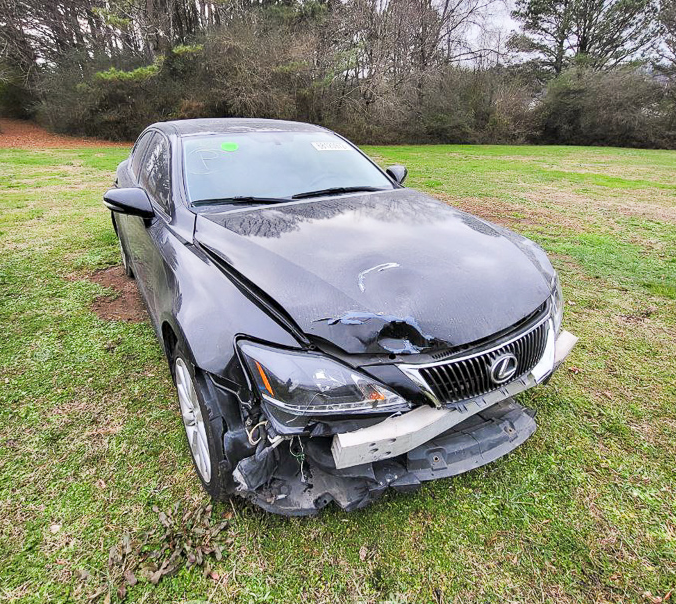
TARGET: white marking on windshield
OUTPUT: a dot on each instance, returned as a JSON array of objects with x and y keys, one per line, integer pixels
[{"x": 203, "y": 161}]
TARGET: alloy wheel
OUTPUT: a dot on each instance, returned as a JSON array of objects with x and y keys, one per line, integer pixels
[{"x": 193, "y": 420}]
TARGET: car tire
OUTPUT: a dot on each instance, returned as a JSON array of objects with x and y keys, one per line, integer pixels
[
  {"x": 125, "y": 260},
  {"x": 203, "y": 426}
]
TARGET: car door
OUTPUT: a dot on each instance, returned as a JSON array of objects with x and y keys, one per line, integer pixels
[
  {"x": 130, "y": 178},
  {"x": 145, "y": 236}
]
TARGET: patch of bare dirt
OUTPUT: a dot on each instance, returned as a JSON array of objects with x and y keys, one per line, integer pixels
[
  {"x": 127, "y": 305},
  {"x": 652, "y": 432},
  {"x": 641, "y": 316},
  {"x": 22, "y": 134},
  {"x": 636, "y": 202},
  {"x": 492, "y": 210},
  {"x": 512, "y": 215}
]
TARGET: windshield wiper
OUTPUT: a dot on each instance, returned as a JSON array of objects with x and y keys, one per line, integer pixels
[
  {"x": 334, "y": 191},
  {"x": 239, "y": 199}
]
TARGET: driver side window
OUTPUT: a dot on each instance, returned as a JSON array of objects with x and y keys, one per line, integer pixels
[
  {"x": 139, "y": 151},
  {"x": 155, "y": 174}
]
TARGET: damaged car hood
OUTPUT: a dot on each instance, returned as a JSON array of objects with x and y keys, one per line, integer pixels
[{"x": 395, "y": 271}]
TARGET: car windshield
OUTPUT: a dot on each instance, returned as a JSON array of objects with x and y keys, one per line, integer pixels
[{"x": 271, "y": 165}]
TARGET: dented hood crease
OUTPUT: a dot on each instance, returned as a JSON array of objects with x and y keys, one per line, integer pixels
[{"x": 396, "y": 271}]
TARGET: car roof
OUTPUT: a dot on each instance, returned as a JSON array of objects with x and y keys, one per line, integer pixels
[{"x": 232, "y": 124}]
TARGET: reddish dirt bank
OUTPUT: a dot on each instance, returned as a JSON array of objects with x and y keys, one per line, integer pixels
[
  {"x": 22, "y": 134},
  {"x": 126, "y": 305}
]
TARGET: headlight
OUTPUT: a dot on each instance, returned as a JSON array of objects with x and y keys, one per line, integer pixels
[
  {"x": 307, "y": 383},
  {"x": 557, "y": 303}
]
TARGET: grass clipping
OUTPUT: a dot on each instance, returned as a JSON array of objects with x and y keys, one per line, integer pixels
[{"x": 187, "y": 539}]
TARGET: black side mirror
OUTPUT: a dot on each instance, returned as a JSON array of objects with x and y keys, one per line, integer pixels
[
  {"x": 132, "y": 201},
  {"x": 397, "y": 173}
]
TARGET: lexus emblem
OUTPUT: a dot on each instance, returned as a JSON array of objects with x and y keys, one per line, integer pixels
[{"x": 503, "y": 368}]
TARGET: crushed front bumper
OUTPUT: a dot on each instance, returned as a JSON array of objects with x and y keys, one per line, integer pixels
[
  {"x": 478, "y": 440},
  {"x": 354, "y": 468}
]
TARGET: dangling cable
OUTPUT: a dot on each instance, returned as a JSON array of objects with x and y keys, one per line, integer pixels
[
  {"x": 250, "y": 433},
  {"x": 300, "y": 457}
]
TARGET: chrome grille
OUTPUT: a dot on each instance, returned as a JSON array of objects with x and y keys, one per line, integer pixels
[{"x": 468, "y": 376}]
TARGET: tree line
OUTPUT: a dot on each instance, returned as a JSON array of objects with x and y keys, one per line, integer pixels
[{"x": 380, "y": 71}]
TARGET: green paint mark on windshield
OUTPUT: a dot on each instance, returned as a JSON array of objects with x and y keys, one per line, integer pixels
[{"x": 229, "y": 146}]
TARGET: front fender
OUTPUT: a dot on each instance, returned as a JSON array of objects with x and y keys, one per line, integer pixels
[{"x": 206, "y": 310}]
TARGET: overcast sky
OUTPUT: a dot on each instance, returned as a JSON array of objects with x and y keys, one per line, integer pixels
[
  {"x": 500, "y": 16},
  {"x": 497, "y": 27}
]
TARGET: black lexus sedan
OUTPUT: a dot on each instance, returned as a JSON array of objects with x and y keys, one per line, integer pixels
[{"x": 330, "y": 332}]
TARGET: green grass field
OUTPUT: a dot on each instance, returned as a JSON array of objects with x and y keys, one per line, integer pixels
[{"x": 91, "y": 439}]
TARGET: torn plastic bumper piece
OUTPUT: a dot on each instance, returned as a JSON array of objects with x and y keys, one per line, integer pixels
[
  {"x": 482, "y": 439},
  {"x": 478, "y": 440},
  {"x": 565, "y": 342},
  {"x": 254, "y": 471}
]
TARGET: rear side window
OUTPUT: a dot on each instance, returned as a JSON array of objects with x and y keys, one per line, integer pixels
[
  {"x": 139, "y": 151},
  {"x": 155, "y": 173}
]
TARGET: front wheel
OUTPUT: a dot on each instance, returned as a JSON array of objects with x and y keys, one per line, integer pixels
[{"x": 203, "y": 430}]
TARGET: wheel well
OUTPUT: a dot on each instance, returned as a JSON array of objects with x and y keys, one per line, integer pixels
[{"x": 169, "y": 338}]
